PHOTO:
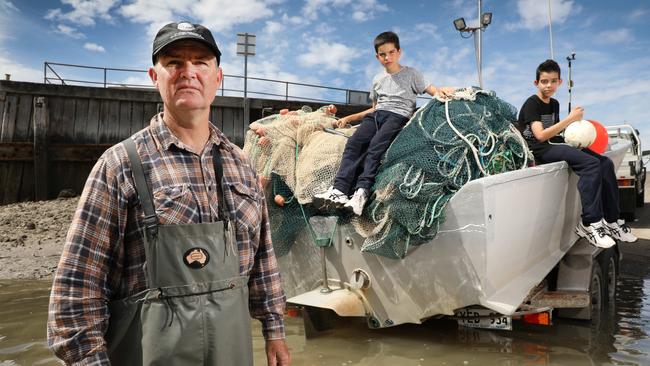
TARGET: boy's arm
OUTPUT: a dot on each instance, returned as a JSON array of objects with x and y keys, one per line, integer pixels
[
  {"x": 443, "y": 91},
  {"x": 542, "y": 134},
  {"x": 354, "y": 117}
]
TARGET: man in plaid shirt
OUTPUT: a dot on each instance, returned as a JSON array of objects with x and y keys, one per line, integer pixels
[{"x": 159, "y": 275}]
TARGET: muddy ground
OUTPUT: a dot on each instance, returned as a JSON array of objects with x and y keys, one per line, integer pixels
[{"x": 32, "y": 236}]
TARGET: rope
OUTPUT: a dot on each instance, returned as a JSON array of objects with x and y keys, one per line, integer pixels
[{"x": 474, "y": 151}]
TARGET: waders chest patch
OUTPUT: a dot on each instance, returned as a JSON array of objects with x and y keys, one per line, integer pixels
[{"x": 196, "y": 258}]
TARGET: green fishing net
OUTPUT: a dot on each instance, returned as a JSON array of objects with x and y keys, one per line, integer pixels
[{"x": 445, "y": 145}]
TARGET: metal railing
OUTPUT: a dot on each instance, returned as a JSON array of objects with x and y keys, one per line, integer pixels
[
  {"x": 257, "y": 87},
  {"x": 107, "y": 77}
]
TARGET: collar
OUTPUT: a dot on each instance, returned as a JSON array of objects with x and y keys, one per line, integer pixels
[{"x": 165, "y": 138}]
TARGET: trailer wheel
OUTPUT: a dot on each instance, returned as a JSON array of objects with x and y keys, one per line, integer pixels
[
  {"x": 608, "y": 260},
  {"x": 640, "y": 196},
  {"x": 596, "y": 290}
]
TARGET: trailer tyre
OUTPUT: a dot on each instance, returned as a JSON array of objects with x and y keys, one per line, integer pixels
[
  {"x": 608, "y": 261},
  {"x": 640, "y": 196},
  {"x": 596, "y": 290}
]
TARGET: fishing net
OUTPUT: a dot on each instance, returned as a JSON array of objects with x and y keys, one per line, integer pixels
[
  {"x": 445, "y": 145},
  {"x": 295, "y": 158}
]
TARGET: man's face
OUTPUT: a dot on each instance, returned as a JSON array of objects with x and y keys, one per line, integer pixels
[
  {"x": 548, "y": 83},
  {"x": 187, "y": 76},
  {"x": 388, "y": 55}
]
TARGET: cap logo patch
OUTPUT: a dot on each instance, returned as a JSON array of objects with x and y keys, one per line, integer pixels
[
  {"x": 185, "y": 34},
  {"x": 185, "y": 26},
  {"x": 196, "y": 258}
]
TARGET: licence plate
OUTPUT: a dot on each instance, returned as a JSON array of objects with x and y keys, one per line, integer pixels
[{"x": 483, "y": 318}]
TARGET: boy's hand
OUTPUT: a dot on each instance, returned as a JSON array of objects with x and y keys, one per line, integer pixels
[
  {"x": 342, "y": 122},
  {"x": 446, "y": 91},
  {"x": 576, "y": 114}
]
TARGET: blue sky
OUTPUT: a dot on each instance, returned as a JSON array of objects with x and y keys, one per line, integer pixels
[{"x": 329, "y": 42}]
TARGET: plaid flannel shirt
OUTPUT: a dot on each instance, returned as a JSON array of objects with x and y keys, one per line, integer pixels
[{"x": 104, "y": 254}]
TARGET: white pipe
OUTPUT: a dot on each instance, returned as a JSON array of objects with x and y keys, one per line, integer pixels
[
  {"x": 479, "y": 46},
  {"x": 550, "y": 28}
]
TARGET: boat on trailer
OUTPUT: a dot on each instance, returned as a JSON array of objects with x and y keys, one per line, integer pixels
[{"x": 507, "y": 249}]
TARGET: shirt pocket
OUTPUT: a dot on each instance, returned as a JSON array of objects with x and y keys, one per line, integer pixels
[
  {"x": 246, "y": 205},
  {"x": 176, "y": 205}
]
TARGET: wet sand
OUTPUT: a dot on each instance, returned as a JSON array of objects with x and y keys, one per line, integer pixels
[{"x": 32, "y": 235}]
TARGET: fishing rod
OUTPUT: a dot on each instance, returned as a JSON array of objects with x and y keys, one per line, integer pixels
[{"x": 570, "y": 58}]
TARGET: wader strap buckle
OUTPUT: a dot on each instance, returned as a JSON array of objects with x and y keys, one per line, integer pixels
[{"x": 151, "y": 225}]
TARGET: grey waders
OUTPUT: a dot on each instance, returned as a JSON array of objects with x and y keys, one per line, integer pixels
[{"x": 195, "y": 309}]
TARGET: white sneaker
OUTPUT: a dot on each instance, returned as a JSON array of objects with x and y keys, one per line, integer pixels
[
  {"x": 331, "y": 197},
  {"x": 619, "y": 231},
  {"x": 357, "y": 201},
  {"x": 595, "y": 234}
]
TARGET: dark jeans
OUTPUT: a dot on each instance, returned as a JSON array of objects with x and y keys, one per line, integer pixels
[
  {"x": 597, "y": 183},
  {"x": 365, "y": 148}
]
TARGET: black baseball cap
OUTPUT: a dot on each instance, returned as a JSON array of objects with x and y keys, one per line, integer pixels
[{"x": 173, "y": 32}]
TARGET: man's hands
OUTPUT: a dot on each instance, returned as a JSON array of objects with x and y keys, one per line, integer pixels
[{"x": 277, "y": 353}]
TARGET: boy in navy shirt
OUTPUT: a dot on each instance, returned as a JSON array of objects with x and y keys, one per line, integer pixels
[{"x": 539, "y": 119}]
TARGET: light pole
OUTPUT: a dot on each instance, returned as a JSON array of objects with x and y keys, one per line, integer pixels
[
  {"x": 246, "y": 47},
  {"x": 484, "y": 20}
]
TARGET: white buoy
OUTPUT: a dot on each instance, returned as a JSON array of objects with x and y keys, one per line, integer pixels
[{"x": 580, "y": 134}]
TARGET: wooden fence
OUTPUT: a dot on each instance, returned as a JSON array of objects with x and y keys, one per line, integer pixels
[{"x": 51, "y": 135}]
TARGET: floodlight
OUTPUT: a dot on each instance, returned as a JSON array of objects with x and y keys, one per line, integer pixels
[
  {"x": 486, "y": 19},
  {"x": 460, "y": 24}
]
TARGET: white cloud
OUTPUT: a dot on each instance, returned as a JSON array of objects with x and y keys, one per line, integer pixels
[
  {"x": 293, "y": 20},
  {"x": 19, "y": 72},
  {"x": 218, "y": 15},
  {"x": 136, "y": 81},
  {"x": 419, "y": 32},
  {"x": 8, "y": 64},
  {"x": 360, "y": 16},
  {"x": 69, "y": 31},
  {"x": 94, "y": 47},
  {"x": 329, "y": 55},
  {"x": 314, "y": 9},
  {"x": 622, "y": 35},
  {"x": 84, "y": 12},
  {"x": 637, "y": 14},
  {"x": 369, "y": 9},
  {"x": 155, "y": 11},
  {"x": 324, "y": 28},
  {"x": 273, "y": 27},
  {"x": 7, "y": 10},
  {"x": 534, "y": 13},
  {"x": 361, "y": 10}
]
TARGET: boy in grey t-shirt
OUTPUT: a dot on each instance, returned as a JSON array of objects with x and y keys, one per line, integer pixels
[{"x": 394, "y": 94}]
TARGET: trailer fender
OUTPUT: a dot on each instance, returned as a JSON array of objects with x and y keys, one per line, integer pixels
[{"x": 342, "y": 301}]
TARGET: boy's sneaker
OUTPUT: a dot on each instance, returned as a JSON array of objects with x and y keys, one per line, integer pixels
[
  {"x": 358, "y": 200},
  {"x": 619, "y": 231},
  {"x": 330, "y": 198},
  {"x": 595, "y": 234}
]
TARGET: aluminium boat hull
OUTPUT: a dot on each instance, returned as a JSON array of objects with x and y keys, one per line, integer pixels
[{"x": 502, "y": 235}]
